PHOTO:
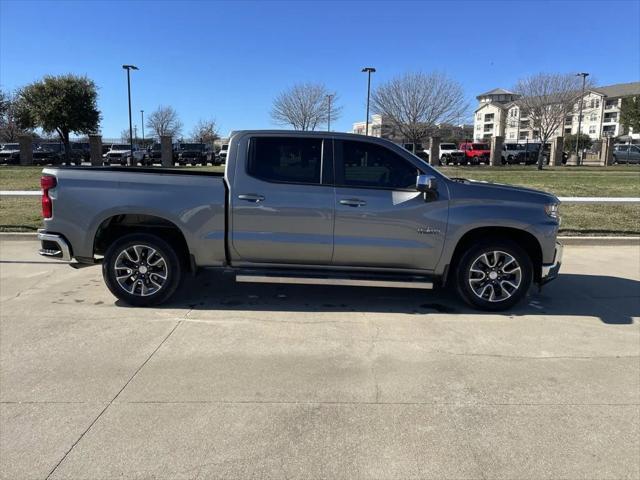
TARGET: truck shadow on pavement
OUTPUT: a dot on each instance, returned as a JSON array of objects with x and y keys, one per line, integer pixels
[{"x": 613, "y": 300}]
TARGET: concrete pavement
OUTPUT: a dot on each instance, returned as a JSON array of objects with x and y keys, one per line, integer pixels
[{"x": 276, "y": 381}]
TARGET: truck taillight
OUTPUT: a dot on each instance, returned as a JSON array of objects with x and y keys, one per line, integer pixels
[{"x": 47, "y": 182}]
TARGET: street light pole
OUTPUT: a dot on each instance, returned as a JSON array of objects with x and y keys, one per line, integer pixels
[
  {"x": 584, "y": 76},
  {"x": 329, "y": 98},
  {"x": 128, "y": 68},
  {"x": 369, "y": 71},
  {"x": 142, "y": 125}
]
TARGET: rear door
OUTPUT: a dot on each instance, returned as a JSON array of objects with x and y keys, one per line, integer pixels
[
  {"x": 381, "y": 220},
  {"x": 282, "y": 208}
]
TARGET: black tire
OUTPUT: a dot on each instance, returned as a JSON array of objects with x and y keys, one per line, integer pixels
[
  {"x": 464, "y": 276},
  {"x": 171, "y": 267}
]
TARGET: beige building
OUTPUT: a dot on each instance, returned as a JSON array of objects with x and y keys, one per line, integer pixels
[
  {"x": 379, "y": 128},
  {"x": 499, "y": 114}
]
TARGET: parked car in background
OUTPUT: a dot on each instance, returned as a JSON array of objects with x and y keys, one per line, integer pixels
[
  {"x": 155, "y": 154},
  {"x": 222, "y": 154},
  {"x": 10, "y": 154},
  {"x": 419, "y": 151},
  {"x": 476, "y": 153},
  {"x": 373, "y": 215},
  {"x": 54, "y": 154},
  {"x": 120, "y": 153},
  {"x": 192, "y": 153},
  {"x": 83, "y": 149},
  {"x": 510, "y": 151},
  {"x": 450, "y": 154},
  {"x": 626, "y": 153},
  {"x": 529, "y": 154}
]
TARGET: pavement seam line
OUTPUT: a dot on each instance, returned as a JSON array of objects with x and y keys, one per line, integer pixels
[{"x": 113, "y": 399}]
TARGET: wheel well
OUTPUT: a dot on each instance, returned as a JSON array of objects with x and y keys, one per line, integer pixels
[
  {"x": 118, "y": 225},
  {"x": 524, "y": 239}
]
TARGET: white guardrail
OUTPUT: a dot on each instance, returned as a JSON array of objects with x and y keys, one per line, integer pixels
[{"x": 35, "y": 193}]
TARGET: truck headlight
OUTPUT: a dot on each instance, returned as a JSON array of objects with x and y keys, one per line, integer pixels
[{"x": 551, "y": 210}]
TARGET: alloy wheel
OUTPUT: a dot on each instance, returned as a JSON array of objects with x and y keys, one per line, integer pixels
[
  {"x": 495, "y": 276},
  {"x": 140, "y": 270}
]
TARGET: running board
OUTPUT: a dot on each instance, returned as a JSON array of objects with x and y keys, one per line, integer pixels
[{"x": 406, "y": 282}]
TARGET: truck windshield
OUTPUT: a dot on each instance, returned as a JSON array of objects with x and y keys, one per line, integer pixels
[
  {"x": 121, "y": 147},
  {"x": 191, "y": 146},
  {"x": 480, "y": 146},
  {"x": 11, "y": 146},
  {"x": 447, "y": 146}
]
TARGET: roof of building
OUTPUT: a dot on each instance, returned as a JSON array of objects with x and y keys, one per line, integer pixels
[
  {"x": 496, "y": 91},
  {"x": 619, "y": 89}
]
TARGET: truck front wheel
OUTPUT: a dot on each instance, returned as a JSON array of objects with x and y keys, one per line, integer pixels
[
  {"x": 494, "y": 275},
  {"x": 142, "y": 269}
]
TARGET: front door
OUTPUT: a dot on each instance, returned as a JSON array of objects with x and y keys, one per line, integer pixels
[
  {"x": 282, "y": 211},
  {"x": 381, "y": 220}
]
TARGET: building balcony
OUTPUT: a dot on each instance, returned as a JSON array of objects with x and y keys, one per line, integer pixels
[{"x": 609, "y": 119}]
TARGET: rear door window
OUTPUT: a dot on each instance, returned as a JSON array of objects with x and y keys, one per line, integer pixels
[{"x": 285, "y": 160}]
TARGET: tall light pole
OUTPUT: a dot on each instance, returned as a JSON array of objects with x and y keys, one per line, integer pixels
[
  {"x": 142, "y": 125},
  {"x": 128, "y": 68},
  {"x": 329, "y": 98},
  {"x": 369, "y": 71},
  {"x": 584, "y": 76}
]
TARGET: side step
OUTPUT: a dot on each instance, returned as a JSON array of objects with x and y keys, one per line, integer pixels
[{"x": 315, "y": 278}]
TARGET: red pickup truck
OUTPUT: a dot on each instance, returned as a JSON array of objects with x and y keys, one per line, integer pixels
[{"x": 476, "y": 153}]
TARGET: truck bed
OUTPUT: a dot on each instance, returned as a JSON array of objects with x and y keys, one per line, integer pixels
[{"x": 87, "y": 198}]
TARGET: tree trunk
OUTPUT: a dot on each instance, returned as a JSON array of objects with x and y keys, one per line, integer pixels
[{"x": 541, "y": 155}]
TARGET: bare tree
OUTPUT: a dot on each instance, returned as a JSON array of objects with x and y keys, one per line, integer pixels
[
  {"x": 546, "y": 99},
  {"x": 124, "y": 136},
  {"x": 415, "y": 103},
  {"x": 205, "y": 131},
  {"x": 164, "y": 121},
  {"x": 305, "y": 106},
  {"x": 9, "y": 128}
]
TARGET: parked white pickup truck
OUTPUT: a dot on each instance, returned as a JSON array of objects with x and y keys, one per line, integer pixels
[{"x": 121, "y": 153}]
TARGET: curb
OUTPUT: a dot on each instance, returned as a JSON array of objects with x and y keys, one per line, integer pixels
[
  {"x": 574, "y": 240},
  {"x": 18, "y": 236},
  {"x": 600, "y": 241}
]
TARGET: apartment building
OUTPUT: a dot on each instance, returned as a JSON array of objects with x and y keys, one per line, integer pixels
[
  {"x": 499, "y": 114},
  {"x": 380, "y": 128}
]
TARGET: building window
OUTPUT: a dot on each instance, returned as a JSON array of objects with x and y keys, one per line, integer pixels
[
  {"x": 594, "y": 117},
  {"x": 488, "y": 117},
  {"x": 568, "y": 120},
  {"x": 609, "y": 104},
  {"x": 512, "y": 135},
  {"x": 567, "y": 131},
  {"x": 478, "y": 116},
  {"x": 610, "y": 117},
  {"x": 592, "y": 129}
]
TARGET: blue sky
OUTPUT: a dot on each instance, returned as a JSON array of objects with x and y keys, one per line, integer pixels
[{"x": 228, "y": 60}]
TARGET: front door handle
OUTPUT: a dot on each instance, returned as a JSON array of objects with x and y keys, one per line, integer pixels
[
  {"x": 251, "y": 197},
  {"x": 353, "y": 202}
]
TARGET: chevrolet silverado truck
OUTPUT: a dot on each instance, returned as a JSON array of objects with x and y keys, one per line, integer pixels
[{"x": 303, "y": 207}]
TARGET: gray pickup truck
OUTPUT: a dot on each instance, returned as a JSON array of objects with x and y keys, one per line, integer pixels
[{"x": 303, "y": 207}]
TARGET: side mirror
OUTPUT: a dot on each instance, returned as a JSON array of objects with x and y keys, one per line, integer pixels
[{"x": 426, "y": 183}]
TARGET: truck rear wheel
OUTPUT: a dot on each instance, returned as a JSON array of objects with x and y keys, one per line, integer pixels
[
  {"x": 494, "y": 275},
  {"x": 142, "y": 269}
]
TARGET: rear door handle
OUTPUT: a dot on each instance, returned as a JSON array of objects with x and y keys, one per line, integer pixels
[
  {"x": 353, "y": 202},
  {"x": 251, "y": 197}
]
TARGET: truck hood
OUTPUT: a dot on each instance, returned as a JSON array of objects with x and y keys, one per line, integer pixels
[{"x": 501, "y": 191}]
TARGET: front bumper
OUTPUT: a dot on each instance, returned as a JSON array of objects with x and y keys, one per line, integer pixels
[
  {"x": 550, "y": 271},
  {"x": 54, "y": 246}
]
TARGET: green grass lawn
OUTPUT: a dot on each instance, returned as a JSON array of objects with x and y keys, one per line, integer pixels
[{"x": 23, "y": 213}]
